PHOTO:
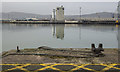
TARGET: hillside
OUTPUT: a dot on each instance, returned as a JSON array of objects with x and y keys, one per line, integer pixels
[{"x": 22, "y": 15}]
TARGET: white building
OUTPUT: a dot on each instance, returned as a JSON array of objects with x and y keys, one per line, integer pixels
[
  {"x": 33, "y": 19},
  {"x": 53, "y": 15},
  {"x": 60, "y": 13}
]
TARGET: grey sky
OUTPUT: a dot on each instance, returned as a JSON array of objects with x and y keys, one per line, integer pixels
[{"x": 71, "y": 8}]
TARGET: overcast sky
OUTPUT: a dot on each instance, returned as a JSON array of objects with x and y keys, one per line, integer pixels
[
  {"x": 60, "y": 0},
  {"x": 71, "y": 8}
]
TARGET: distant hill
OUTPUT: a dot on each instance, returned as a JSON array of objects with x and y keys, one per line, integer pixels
[
  {"x": 22, "y": 15},
  {"x": 93, "y": 15},
  {"x": 101, "y": 15}
]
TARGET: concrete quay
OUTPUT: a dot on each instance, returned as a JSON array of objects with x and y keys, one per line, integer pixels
[{"x": 70, "y": 22}]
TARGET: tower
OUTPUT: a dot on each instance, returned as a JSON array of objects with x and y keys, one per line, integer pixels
[
  {"x": 53, "y": 15},
  {"x": 60, "y": 14}
]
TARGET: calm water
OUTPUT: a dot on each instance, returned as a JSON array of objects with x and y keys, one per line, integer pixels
[{"x": 58, "y": 36}]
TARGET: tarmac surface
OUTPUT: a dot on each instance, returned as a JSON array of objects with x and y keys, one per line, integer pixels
[
  {"x": 63, "y": 60},
  {"x": 61, "y": 56},
  {"x": 60, "y": 67}
]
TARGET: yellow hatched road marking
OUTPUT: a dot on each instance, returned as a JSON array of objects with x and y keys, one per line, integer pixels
[
  {"x": 83, "y": 67},
  {"x": 110, "y": 66},
  {"x": 52, "y": 66},
  {"x": 19, "y": 67}
]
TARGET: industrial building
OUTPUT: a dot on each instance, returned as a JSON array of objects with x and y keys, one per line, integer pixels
[
  {"x": 53, "y": 15},
  {"x": 60, "y": 14}
]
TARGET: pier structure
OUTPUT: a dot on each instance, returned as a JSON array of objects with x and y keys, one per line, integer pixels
[{"x": 83, "y": 21}]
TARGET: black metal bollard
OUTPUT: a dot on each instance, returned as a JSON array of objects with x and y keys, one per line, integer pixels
[
  {"x": 101, "y": 47},
  {"x": 97, "y": 51},
  {"x": 18, "y": 49},
  {"x": 93, "y": 47}
]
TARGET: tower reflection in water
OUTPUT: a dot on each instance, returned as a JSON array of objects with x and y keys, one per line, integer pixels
[{"x": 58, "y": 31}]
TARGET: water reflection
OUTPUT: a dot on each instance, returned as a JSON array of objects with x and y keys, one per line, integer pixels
[
  {"x": 58, "y": 36},
  {"x": 118, "y": 37},
  {"x": 59, "y": 27},
  {"x": 58, "y": 31},
  {"x": 22, "y": 27}
]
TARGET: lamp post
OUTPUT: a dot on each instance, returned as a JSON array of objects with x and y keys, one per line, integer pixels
[{"x": 80, "y": 12}]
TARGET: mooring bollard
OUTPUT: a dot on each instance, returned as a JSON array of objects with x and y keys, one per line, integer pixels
[
  {"x": 18, "y": 49},
  {"x": 97, "y": 51},
  {"x": 93, "y": 47},
  {"x": 101, "y": 47}
]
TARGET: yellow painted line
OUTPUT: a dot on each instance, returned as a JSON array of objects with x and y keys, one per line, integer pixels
[
  {"x": 52, "y": 66},
  {"x": 10, "y": 64},
  {"x": 60, "y": 64},
  {"x": 83, "y": 67},
  {"x": 117, "y": 21},
  {"x": 109, "y": 67},
  {"x": 19, "y": 67}
]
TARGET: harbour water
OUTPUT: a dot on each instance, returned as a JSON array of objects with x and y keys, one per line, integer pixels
[{"x": 58, "y": 36}]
